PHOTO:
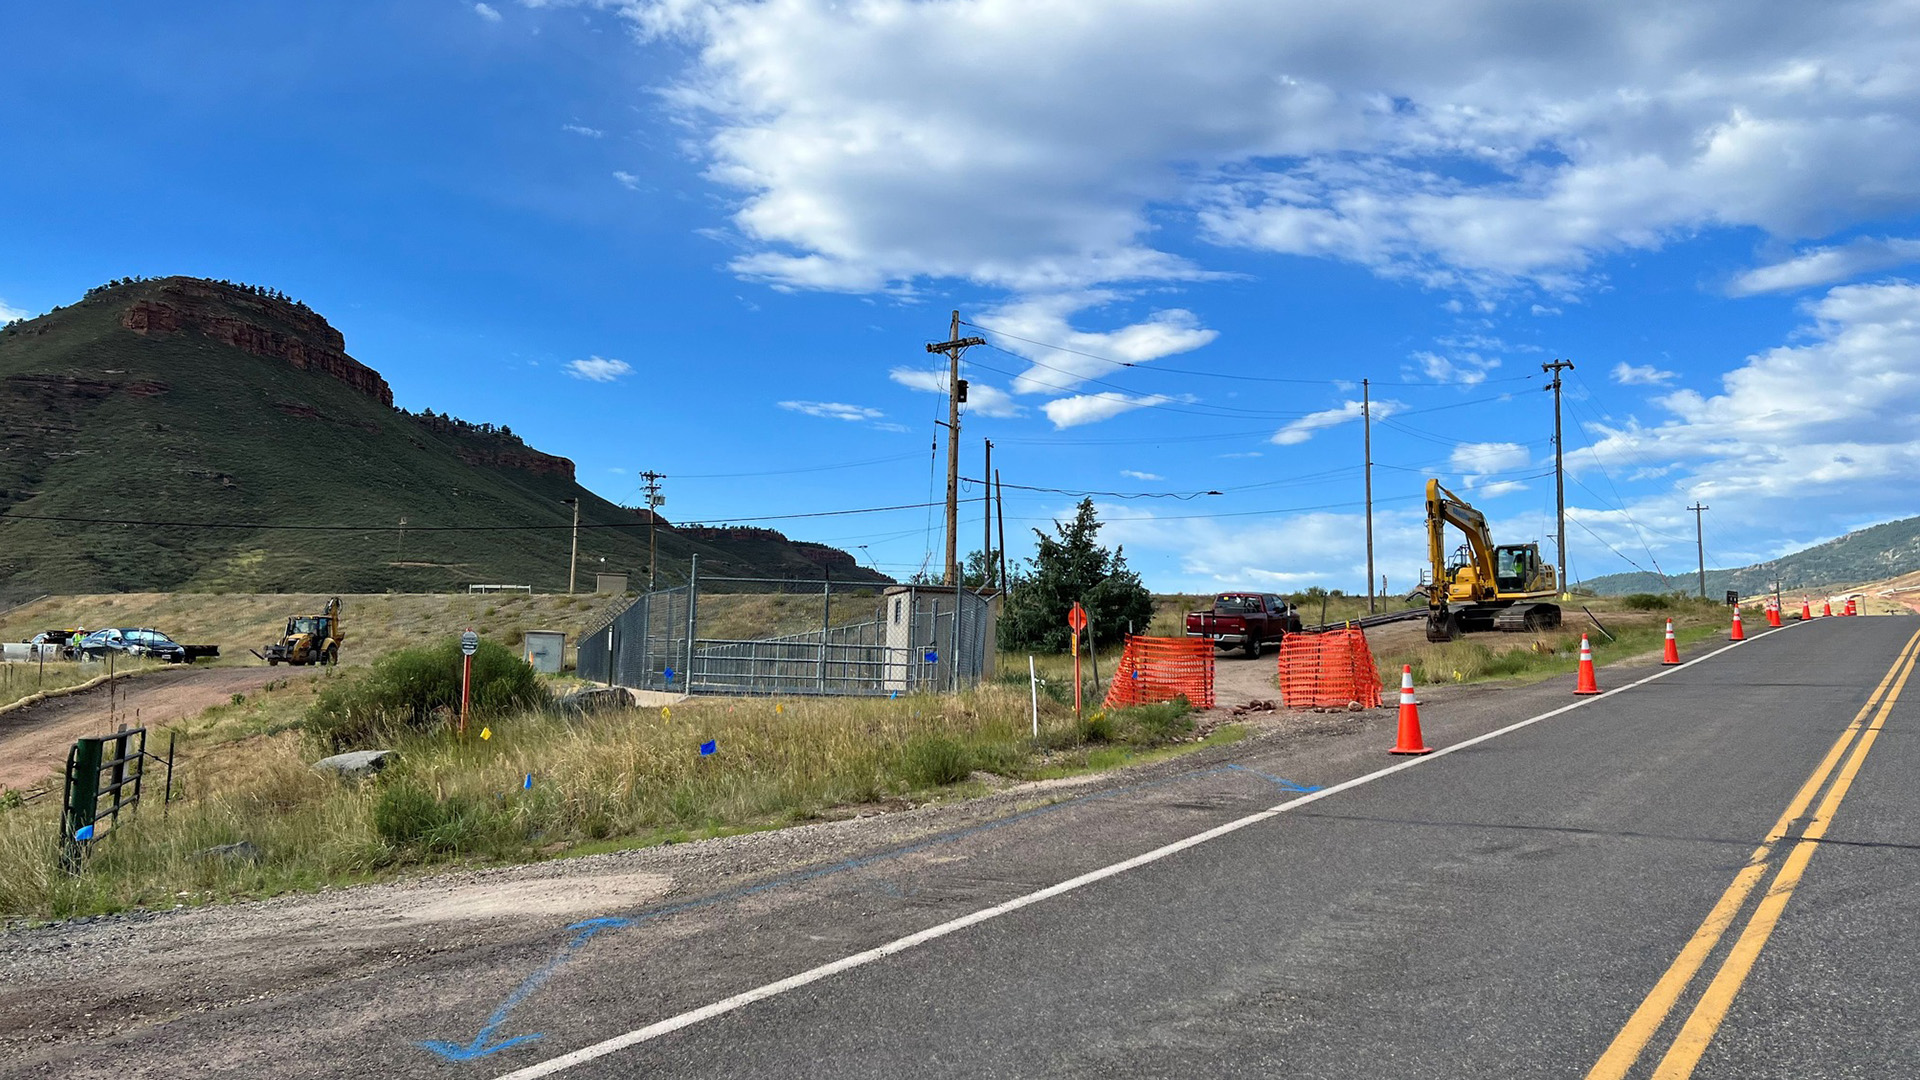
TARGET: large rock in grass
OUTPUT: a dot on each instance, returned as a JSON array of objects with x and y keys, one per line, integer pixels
[
  {"x": 597, "y": 700},
  {"x": 355, "y": 765}
]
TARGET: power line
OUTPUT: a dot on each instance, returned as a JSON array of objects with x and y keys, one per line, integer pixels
[
  {"x": 1110, "y": 494},
  {"x": 1150, "y": 366},
  {"x": 791, "y": 472},
  {"x": 1167, "y": 406}
]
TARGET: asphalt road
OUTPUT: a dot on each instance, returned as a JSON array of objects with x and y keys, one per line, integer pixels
[{"x": 1505, "y": 909}]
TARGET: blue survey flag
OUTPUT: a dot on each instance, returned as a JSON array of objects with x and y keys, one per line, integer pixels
[
  {"x": 709, "y": 747},
  {"x": 669, "y": 674},
  {"x": 932, "y": 657},
  {"x": 528, "y": 786},
  {"x": 85, "y": 833}
]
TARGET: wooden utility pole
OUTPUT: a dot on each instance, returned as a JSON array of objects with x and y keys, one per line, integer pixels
[
  {"x": 1559, "y": 472},
  {"x": 573, "y": 560},
  {"x": 1700, "y": 544},
  {"x": 956, "y": 393},
  {"x": 986, "y": 521},
  {"x": 655, "y": 501},
  {"x": 1366, "y": 442},
  {"x": 1000, "y": 498}
]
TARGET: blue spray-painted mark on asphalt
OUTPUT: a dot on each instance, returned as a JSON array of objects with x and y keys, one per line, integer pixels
[
  {"x": 483, "y": 1044},
  {"x": 1282, "y": 782},
  {"x": 480, "y": 1046}
]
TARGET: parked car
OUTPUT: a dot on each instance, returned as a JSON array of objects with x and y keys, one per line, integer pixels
[
  {"x": 133, "y": 641},
  {"x": 1244, "y": 621}
]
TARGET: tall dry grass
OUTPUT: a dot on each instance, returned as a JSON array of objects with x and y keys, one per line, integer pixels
[
  {"x": 22, "y": 680},
  {"x": 624, "y": 778}
]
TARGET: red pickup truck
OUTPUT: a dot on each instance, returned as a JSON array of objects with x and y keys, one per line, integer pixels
[{"x": 1245, "y": 621}]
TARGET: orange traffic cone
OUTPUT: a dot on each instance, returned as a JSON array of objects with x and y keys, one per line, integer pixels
[
  {"x": 1738, "y": 634},
  {"x": 1850, "y": 608},
  {"x": 1586, "y": 684},
  {"x": 1673, "y": 647},
  {"x": 1806, "y": 610},
  {"x": 1773, "y": 614},
  {"x": 1826, "y": 609},
  {"x": 1410, "y": 740}
]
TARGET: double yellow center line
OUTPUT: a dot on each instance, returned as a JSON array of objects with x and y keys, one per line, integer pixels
[{"x": 1698, "y": 1031}]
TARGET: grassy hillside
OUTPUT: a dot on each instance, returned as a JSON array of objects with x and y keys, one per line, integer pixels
[
  {"x": 1871, "y": 554},
  {"x": 209, "y": 430}
]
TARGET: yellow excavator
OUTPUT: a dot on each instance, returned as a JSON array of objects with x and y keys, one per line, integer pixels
[
  {"x": 310, "y": 639},
  {"x": 1483, "y": 586}
]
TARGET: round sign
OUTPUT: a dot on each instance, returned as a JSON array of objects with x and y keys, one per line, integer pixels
[
  {"x": 469, "y": 643},
  {"x": 1077, "y": 618}
]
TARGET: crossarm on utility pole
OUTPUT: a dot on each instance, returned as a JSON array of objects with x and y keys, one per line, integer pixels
[{"x": 953, "y": 347}]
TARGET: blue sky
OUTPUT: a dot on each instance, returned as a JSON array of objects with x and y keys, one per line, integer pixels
[{"x": 711, "y": 238}]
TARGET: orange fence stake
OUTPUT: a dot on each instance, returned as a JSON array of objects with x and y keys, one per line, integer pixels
[{"x": 1155, "y": 669}]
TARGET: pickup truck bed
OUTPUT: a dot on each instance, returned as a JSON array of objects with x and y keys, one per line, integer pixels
[{"x": 1246, "y": 621}]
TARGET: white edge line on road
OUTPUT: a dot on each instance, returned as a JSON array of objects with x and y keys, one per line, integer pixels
[{"x": 931, "y": 933}]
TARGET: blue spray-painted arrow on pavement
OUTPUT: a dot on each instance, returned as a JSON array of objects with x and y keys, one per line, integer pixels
[{"x": 483, "y": 1043}]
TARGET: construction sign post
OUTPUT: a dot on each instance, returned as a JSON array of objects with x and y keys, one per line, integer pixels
[
  {"x": 1076, "y": 622},
  {"x": 469, "y": 644}
]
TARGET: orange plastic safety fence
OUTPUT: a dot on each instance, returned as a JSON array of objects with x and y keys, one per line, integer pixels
[
  {"x": 1329, "y": 670},
  {"x": 1156, "y": 669}
]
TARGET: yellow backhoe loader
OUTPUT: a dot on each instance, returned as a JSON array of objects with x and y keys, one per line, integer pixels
[
  {"x": 310, "y": 639},
  {"x": 1483, "y": 586}
]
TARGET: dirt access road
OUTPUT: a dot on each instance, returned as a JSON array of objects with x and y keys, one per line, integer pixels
[{"x": 34, "y": 740}]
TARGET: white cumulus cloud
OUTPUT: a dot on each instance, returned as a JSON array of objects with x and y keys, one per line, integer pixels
[
  {"x": 1461, "y": 143},
  {"x": 833, "y": 410},
  {"x": 1641, "y": 375},
  {"x": 598, "y": 369},
  {"x": 982, "y": 399},
  {"x": 1467, "y": 368},
  {"x": 627, "y": 180},
  {"x": 1135, "y": 474},
  {"x": 1477, "y": 462},
  {"x": 1069, "y": 356},
  {"x": 1828, "y": 424},
  {"x": 1306, "y": 427},
  {"x": 487, "y": 12},
  {"x": 582, "y": 129},
  {"x": 1826, "y": 265},
  {"x": 1090, "y": 408}
]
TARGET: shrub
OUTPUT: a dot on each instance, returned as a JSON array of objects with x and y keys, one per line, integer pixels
[
  {"x": 934, "y": 760},
  {"x": 1647, "y": 602},
  {"x": 406, "y": 814},
  {"x": 1151, "y": 725},
  {"x": 416, "y": 688},
  {"x": 1097, "y": 727}
]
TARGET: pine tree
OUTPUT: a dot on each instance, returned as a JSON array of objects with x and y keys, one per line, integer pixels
[{"x": 1066, "y": 568}]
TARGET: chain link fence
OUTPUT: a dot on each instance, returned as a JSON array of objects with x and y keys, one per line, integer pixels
[{"x": 721, "y": 635}]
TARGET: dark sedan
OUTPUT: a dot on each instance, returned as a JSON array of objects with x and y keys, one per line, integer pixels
[{"x": 133, "y": 641}]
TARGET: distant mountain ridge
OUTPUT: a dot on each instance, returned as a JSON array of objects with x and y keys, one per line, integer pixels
[
  {"x": 225, "y": 430},
  {"x": 1870, "y": 554}
]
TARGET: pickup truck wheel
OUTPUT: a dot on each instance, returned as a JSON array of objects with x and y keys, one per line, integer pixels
[{"x": 1253, "y": 646}]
